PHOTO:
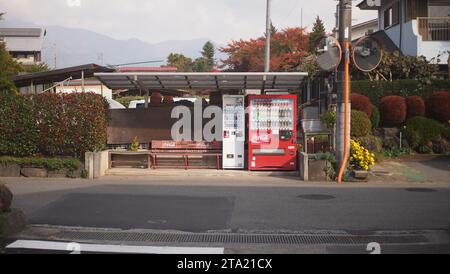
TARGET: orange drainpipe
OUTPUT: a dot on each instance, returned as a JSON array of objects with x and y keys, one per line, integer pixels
[{"x": 346, "y": 111}]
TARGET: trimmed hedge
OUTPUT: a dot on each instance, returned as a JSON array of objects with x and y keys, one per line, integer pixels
[
  {"x": 376, "y": 90},
  {"x": 415, "y": 107},
  {"x": 420, "y": 131},
  {"x": 439, "y": 106},
  {"x": 393, "y": 111},
  {"x": 53, "y": 124},
  {"x": 360, "y": 124},
  {"x": 362, "y": 103},
  {"x": 18, "y": 130},
  {"x": 52, "y": 164},
  {"x": 87, "y": 116}
]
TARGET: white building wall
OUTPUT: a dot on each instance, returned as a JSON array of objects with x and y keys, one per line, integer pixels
[
  {"x": 412, "y": 43},
  {"x": 97, "y": 89}
]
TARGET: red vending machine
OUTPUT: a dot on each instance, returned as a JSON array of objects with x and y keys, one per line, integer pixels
[{"x": 272, "y": 132}]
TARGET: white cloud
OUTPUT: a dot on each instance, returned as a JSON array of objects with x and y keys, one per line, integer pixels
[{"x": 160, "y": 20}]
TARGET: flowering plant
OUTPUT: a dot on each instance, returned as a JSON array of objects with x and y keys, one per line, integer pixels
[{"x": 360, "y": 158}]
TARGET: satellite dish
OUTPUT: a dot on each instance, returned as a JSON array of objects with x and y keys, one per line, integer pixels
[
  {"x": 328, "y": 53},
  {"x": 367, "y": 54}
]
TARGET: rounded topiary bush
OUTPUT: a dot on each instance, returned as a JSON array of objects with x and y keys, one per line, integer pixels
[
  {"x": 415, "y": 106},
  {"x": 168, "y": 100},
  {"x": 393, "y": 111},
  {"x": 375, "y": 119},
  {"x": 439, "y": 106},
  {"x": 421, "y": 131},
  {"x": 156, "y": 98},
  {"x": 360, "y": 124},
  {"x": 362, "y": 103}
]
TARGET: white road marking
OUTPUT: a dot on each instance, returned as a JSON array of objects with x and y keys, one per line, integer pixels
[{"x": 129, "y": 249}]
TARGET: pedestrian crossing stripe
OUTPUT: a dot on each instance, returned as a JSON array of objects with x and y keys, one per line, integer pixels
[{"x": 77, "y": 248}]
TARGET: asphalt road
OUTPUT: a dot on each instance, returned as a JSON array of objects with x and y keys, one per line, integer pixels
[
  {"x": 270, "y": 205},
  {"x": 197, "y": 208}
]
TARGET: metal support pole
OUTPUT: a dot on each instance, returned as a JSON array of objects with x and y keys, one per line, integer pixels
[
  {"x": 343, "y": 83},
  {"x": 147, "y": 91},
  {"x": 82, "y": 81},
  {"x": 268, "y": 25}
]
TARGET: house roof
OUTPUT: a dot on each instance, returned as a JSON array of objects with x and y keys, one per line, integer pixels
[
  {"x": 147, "y": 69},
  {"x": 58, "y": 75},
  {"x": 23, "y": 39},
  {"x": 203, "y": 80},
  {"x": 364, "y": 6},
  {"x": 21, "y": 32},
  {"x": 373, "y": 22},
  {"x": 385, "y": 40}
]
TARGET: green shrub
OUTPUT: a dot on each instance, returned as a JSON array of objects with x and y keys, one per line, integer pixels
[
  {"x": 376, "y": 90},
  {"x": 375, "y": 119},
  {"x": 420, "y": 131},
  {"x": 18, "y": 131},
  {"x": 48, "y": 163},
  {"x": 71, "y": 124},
  {"x": 370, "y": 142},
  {"x": 394, "y": 153},
  {"x": 328, "y": 119},
  {"x": 360, "y": 124}
]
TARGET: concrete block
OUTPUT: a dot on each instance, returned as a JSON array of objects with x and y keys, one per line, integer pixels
[
  {"x": 34, "y": 172},
  {"x": 9, "y": 170},
  {"x": 317, "y": 170}
]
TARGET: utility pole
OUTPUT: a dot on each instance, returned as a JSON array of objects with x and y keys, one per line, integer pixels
[
  {"x": 343, "y": 82},
  {"x": 268, "y": 24}
]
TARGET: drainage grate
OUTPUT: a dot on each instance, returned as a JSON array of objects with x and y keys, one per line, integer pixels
[{"x": 234, "y": 238}]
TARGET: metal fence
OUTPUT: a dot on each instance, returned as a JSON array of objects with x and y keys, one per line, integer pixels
[{"x": 434, "y": 28}]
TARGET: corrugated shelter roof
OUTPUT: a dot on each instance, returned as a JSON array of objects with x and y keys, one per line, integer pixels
[
  {"x": 203, "y": 80},
  {"x": 58, "y": 75}
]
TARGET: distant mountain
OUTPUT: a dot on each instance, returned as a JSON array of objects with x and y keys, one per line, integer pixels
[{"x": 73, "y": 47}]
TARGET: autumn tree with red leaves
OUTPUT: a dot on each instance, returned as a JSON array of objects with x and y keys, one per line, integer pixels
[{"x": 289, "y": 48}]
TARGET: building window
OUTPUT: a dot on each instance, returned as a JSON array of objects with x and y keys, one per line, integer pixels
[{"x": 392, "y": 15}]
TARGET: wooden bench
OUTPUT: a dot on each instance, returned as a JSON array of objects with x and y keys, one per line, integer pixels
[
  {"x": 130, "y": 162},
  {"x": 184, "y": 152}
]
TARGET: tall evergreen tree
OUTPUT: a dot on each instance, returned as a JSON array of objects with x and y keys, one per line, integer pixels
[
  {"x": 317, "y": 32},
  {"x": 208, "y": 53},
  {"x": 8, "y": 67},
  {"x": 181, "y": 62}
]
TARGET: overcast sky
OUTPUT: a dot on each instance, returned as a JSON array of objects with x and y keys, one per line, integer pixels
[{"x": 159, "y": 20}]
